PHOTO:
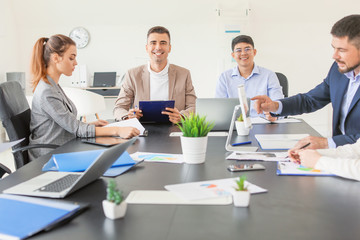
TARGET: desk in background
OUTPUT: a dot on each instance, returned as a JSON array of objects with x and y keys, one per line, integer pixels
[{"x": 294, "y": 207}]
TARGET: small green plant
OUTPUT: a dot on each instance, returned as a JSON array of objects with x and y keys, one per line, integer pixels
[
  {"x": 240, "y": 118},
  {"x": 194, "y": 126},
  {"x": 113, "y": 194},
  {"x": 241, "y": 183}
]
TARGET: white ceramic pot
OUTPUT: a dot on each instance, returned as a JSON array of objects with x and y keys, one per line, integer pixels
[
  {"x": 194, "y": 149},
  {"x": 241, "y": 198},
  {"x": 241, "y": 129},
  {"x": 113, "y": 211}
]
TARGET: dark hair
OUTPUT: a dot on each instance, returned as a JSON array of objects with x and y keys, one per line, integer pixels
[
  {"x": 41, "y": 54},
  {"x": 348, "y": 26},
  {"x": 241, "y": 39},
  {"x": 158, "y": 29}
]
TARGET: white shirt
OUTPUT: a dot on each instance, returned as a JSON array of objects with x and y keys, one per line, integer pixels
[{"x": 159, "y": 84}]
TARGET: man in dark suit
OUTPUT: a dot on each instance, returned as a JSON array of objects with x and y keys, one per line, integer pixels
[{"x": 340, "y": 87}]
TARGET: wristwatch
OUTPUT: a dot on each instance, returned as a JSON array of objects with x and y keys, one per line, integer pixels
[{"x": 124, "y": 117}]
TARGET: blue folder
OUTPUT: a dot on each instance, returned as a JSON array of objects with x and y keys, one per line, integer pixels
[
  {"x": 80, "y": 161},
  {"x": 20, "y": 216},
  {"x": 151, "y": 111}
]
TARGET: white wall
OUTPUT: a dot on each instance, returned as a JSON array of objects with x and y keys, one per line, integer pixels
[{"x": 291, "y": 36}]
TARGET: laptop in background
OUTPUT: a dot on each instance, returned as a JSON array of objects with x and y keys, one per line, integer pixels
[
  {"x": 104, "y": 79},
  {"x": 61, "y": 184},
  {"x": 217, "y": 110}
]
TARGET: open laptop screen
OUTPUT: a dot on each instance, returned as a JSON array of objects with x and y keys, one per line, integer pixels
[{"x": 104, "y": 79}]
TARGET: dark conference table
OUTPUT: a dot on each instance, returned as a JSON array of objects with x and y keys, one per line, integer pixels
[{"x": 295, "y": 207}]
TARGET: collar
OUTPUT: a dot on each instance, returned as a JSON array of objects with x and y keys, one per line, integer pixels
[
  {"x": 236, "y": 72},
  {"x": 351, "y": 77},
  {"x": 159, "y": 74}
]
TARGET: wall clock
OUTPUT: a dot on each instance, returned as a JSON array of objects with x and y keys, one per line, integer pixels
[{"x": 80, "y": 36}]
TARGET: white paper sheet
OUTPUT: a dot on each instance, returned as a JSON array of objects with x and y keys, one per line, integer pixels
[
  {"x": 259, "y": 156},
  {"x": 133, "y": 122},
  {"x": 210, "y": 189},
  {"x": 210, "y": 134},
  {"x": 278, "y": 141},
  {"x": 259, "y": 120}
]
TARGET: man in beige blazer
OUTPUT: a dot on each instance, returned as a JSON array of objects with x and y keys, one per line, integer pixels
[{"x": 158, "y": 80}]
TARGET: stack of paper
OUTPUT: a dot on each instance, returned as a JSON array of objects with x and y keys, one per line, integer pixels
[
  {"x": 133, "y": 122},
  {"x": 158, "y": 157},
  {"x": 278, "y": 141}
]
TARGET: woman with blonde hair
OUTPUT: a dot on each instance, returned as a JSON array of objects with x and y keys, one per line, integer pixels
[{"x": 53, "y": 114}]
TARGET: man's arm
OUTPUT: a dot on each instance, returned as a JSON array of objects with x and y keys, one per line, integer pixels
[
  {"x": 190, "y": 97},
  {"x": 125, "y": 98}
]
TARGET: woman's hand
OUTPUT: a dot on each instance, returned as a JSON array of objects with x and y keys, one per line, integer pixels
[
  {"x": 99, "y": 123},
  {"x": 127, "y": 132}
]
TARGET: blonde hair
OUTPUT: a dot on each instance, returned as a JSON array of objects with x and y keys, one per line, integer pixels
[{"x": 41, "y": 54}]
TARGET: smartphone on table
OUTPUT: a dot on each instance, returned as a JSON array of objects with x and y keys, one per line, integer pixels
[{"x": 245, "y": 167}]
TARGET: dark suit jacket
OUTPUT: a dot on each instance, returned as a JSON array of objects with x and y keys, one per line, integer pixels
[{"x": 332, "y": 89}]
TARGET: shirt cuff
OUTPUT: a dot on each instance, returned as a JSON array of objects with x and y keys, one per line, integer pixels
[
  {"x": 331, "y": 143},
  {"x": 279, "y": 109}
]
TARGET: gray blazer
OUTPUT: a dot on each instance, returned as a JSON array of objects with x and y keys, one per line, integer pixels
[{"x": 53, "y": 118}]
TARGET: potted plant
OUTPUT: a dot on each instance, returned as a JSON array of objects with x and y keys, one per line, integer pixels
[
  {"x": 240, "y": 126},
  {"x": 114, "y": 206},
  {"x": 241, "y": 196},
  {"x": 194, "y": 138}
]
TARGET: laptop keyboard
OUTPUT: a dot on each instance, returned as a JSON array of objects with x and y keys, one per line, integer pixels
[{"x": 60, "y": 184}]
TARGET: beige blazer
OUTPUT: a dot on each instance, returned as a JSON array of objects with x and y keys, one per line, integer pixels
[{"x": 136, "y": 87}]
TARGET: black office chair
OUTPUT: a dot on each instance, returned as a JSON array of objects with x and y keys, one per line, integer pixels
[
  {"x": 15, "y": 116},
  {"x": 284, "y": 83}
]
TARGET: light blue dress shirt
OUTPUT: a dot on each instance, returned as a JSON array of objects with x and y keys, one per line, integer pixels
[
  {"x": 354, "y": 83},
  {"x": 260, "y": 82}
]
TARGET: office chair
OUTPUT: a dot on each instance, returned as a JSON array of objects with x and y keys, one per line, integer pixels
[
  {"x": 15, "y": 116},
  {"x": 86, "y": 102},
  {"x": 284, "y": 83}
]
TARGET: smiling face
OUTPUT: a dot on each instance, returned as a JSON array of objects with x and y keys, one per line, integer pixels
[
  {"x": 346, "y": 55},
  {"x": 158, "y": 47},
  {"x": 66, "y": 64},
  {"x": 244, "y": 54}
]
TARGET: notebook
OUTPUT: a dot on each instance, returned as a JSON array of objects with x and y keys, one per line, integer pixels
[
  {"x": 217, "y": 110},
  {"x": 61, "y": 184}
]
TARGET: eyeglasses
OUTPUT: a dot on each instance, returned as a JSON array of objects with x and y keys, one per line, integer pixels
[{"x": 246, "y": 50}]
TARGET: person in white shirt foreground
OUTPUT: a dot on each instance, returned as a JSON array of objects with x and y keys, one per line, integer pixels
[{"x": 343, "y": 161}]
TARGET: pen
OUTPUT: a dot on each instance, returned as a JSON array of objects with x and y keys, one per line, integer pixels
[
  {"x": 135, "y": 111},
  {"x": 240, "y": 143},
  {"x": 306, "y": 145}
]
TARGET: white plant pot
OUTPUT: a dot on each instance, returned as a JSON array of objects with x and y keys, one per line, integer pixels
[
  {"x": 113, "y": 211},
  {"x": 241, "y": 129},
  {"x": 194, "y": 149},
  {"x": 241, "y": 198}
]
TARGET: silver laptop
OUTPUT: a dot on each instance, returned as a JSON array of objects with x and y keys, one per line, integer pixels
[
  {"x": 61, "y": 184},
  {"x": 217, "y": 110}
]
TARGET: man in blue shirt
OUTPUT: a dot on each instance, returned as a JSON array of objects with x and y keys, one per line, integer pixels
[
  {"x": 340, "y": 88},
  {"x": 257, "y": 80}
]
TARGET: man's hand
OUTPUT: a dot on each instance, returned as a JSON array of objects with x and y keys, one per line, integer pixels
[
  {"x": 269, "y": 117},
  {"x": 135, "y": 113},
  {"x": 173, "y": 113},
  {"x": 264, "y": 104}
]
